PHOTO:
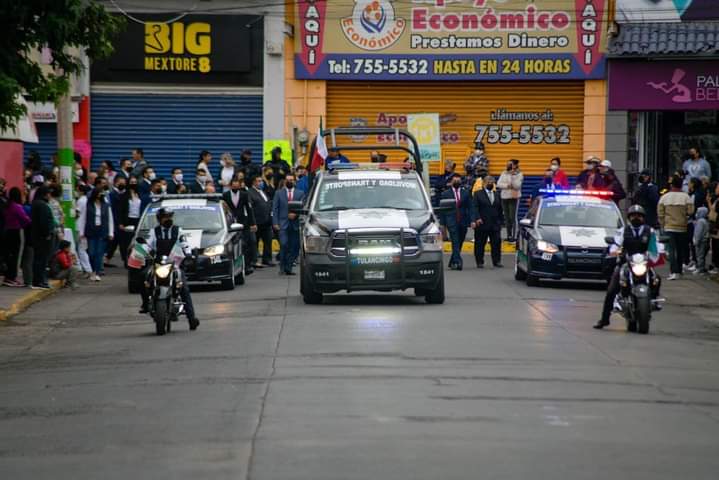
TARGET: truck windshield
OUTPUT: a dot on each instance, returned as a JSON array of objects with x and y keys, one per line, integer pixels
[
  {"x": 402, "y": 194},
  {"x": 579, "y": 215}
]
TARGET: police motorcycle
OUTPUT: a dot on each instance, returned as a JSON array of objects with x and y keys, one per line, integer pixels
[
  {"x": 638, "y": 284},
  {"x": 163, "y": 283}
]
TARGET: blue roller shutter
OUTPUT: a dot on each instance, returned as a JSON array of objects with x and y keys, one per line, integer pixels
[
  {"x": 173, "y": 129},
  {"x": 47, "y": 135}
]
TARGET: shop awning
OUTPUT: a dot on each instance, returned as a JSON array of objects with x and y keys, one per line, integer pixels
[{"x": 665, "y": 39}]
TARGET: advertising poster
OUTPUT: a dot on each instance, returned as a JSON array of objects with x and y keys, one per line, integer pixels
[
  {"x": 269, "y": 145},
  {"x": 425, "y": 129},
  {"x": 450, "y": 39},
  {"x": 637, "y": 11}
]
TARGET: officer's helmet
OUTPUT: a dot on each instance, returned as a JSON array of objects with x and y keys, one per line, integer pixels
[
  {"x": 636, "y": 210},
  {"x": 164, "y": 213}
]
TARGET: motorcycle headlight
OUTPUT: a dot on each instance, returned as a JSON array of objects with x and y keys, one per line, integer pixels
[
  {"x": 162, "y": 271},
  {"x": 315, "y": 240},
  {"x": 547, "y": 247},
  {"x": 432, "y": 239},
  {"x": 214, "y": 250},
  {"x": 639, "y": 269}
]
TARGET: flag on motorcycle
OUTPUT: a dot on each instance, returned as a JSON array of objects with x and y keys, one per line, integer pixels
[
  {"x": 656, "y": 251},
  {"x": 138, "y": 256},
  {"x": 177, "y": 254}
]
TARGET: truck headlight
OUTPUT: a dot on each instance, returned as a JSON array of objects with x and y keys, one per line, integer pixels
[
  {"x": 547, "y": 247},
  {"x": 162, "y": 271},
  {"x": 214, "y": 250},
  {"x": 315, "y": 241},
  {"x": 432, "y": 239}
]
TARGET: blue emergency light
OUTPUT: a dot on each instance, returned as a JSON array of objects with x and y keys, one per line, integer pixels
[{"x": 576, "y": 192}]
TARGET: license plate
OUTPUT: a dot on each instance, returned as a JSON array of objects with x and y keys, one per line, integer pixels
[
  {"x": 547, "y": 257},
  {"x": 372, "y": 260},
  {"x": 374, "y": 275}
]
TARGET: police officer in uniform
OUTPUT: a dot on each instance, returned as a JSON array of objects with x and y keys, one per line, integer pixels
[
  {"x": 633, "y": 238},
  {"x": 162, "y": 238}
]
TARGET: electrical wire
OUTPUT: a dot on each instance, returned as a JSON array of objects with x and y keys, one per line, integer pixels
[{"x": 143, "y": 22}]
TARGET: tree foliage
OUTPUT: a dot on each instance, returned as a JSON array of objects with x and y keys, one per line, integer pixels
[{"x": 28, "y": 26}]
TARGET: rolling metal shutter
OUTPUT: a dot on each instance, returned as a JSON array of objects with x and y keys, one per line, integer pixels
[
  {"x": 461, "y": 106},
  {"x": 173, "y": 129},
  {"x": 47, "y": 135}
]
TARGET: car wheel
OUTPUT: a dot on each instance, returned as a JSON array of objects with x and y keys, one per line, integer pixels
[
  {"x": 309, "y": 296},
  {"x": 240, "y": 277},
  {"x": 519, "y": 274},
  {"x": 531, "y": 280},
  {"x": 229, "y": 283},
  {"x": 436, "y": 296},
  {"x": 420, "y": 292}
]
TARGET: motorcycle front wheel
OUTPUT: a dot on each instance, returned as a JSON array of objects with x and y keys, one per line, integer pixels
[
  {"x": 162, "y": 317},
  {"x": 642, "y": 314}
]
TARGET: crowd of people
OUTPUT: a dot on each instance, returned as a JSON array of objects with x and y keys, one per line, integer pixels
[
  {"x": 685, "y": 209},
  {"x": 109, "y": 199}
]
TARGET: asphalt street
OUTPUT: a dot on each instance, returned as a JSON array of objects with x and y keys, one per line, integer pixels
[{"x": 502, "y": 382}]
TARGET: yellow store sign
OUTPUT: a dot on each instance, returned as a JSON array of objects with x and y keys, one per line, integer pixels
[{"x": 178, "y": 47}]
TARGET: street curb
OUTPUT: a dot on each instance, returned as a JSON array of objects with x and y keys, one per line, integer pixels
[{"x": 31, "y": 297}]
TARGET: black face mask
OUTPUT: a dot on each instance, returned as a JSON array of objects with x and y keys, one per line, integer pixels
[
  {"x": 636, "y": 222},
  {"x": 121, "y": 188},
  {"x": 290, "y": 185},
  {"x": 235, "y": 189},
  {"x": 133, "y": 186},
  {"x": 167, "y": 222}
]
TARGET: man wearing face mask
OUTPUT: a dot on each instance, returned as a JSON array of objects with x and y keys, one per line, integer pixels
[
  {"x": 161, "y": 240},
  {"x": 148, "y": 175},
  {"x": 247, "y": 167},
  {"x": 116, "y": 197},
  {"x": 510, "y": 185},
  {"x": 175, "y": 183},
  {"x": 487, "y": 220},
  {"x": 647, "y": 196},
  {"x": 201, "y": 178},
  {"x": 287, "y": 224},
  {"x": 238, "y": 199},
  {"x": 457, "y": 220},
  {"x": 633, "y": 238}
]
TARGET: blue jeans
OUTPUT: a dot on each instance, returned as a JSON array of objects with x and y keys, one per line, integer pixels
[
  {"x": 96, "y": 248},
  {"x": 457, "y": 234},
  {"x": 289, "y": 248}
]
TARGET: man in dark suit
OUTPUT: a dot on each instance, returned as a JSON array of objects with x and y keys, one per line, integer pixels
[
  {"x": 144, "y": 185},
  {"x": 200, "y": 183},
  {"x": 42, "y": 228},
  {"x": 487, "y": 221},
  {"x": 262, "y": 207},
  {"x": 458, "y": 219},
  {"x": 176, "y": 185},
  {"x": 238, "y": 199},
  {"x": 287, "y": 223},
  {"x": 125, "y": 169}
]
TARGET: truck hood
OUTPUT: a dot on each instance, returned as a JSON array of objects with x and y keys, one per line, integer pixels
[{"x": 371, "y": 218}]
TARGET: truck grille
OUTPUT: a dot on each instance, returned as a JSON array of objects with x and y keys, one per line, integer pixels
[{"x": 396, "y": 240}]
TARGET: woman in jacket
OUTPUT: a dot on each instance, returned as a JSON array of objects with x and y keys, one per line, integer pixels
[
  {"x": 15, "y": 220},
  {"x": 227, "y": 172},
  {"x": 510, "y": 185},
  {"x": 97, "y": 226}
]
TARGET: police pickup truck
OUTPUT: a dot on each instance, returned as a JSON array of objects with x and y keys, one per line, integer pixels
[{"x": 371, "y": 227}]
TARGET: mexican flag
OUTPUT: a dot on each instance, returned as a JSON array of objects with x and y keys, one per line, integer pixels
[
  {"x": 656, "y": 251},
  {"x": 136, "y": 259},
  {"x": 318, "y": 159}
]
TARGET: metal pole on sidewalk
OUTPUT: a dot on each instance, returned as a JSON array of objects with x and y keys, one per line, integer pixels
[{"x": 66, "y": 158}]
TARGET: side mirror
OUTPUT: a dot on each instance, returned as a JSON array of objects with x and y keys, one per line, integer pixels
[
  {"x": 446, "y": 205},
  {"x": 525, "y": 222},
  {"x": 609, "y": 240},
  {"x": 297, "y": 207},
  {"x": 130, "y": 229},
  {"x": 236, "y": 227}
]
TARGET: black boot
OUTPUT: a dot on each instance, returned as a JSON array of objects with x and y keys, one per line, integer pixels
[
  {"x": 194, "y": 323},
  {"x": 601, "y": 324},
  {"x": 145, "y": 308}
]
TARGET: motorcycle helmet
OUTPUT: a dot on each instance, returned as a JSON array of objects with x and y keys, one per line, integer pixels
[
  {"x": 636, "y": 210},
  {"x": 163, "y": 213}
]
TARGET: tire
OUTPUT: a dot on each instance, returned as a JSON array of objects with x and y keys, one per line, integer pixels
[
  {"x": 436, "y": 296},
  {"x": 420, "y": 292},
  {"x": 229, "y": 283},
  {"x": 531, "y": 280},
  {"x": 643, "y": 314},
  {"x": 161, "y": 317},
  {"x": 519, "y": 274},
  {"x": 309, "y": 296},
  {"x": 240, "y": 277}
]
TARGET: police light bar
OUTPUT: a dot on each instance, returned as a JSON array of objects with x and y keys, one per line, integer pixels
[
  {"x": 185, "y": 196},
  {"x": 342, "y": 166},
  {"x": 575, "y": 192}
]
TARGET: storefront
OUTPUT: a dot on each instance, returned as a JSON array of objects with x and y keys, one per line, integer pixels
[
  {"x": 524, "y": 79},
  {"x": 174, "y": 89},
  {"x": 664, "y": 80}
]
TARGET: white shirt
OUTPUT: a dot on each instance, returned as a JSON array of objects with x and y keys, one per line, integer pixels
[
  {"x": 235, "y": 197},
  {"x": 134, "y": 210},
  {"x": 82, "y": 217},
  {"x": 226, "y": 177}
]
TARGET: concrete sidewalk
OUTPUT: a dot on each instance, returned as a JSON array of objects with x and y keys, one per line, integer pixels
[{"x": 14, "y": 300}]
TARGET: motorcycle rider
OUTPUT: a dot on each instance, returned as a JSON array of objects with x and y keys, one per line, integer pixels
[
  {"x": 161, "y": 239},
  {"x": 633, "y": 238}
]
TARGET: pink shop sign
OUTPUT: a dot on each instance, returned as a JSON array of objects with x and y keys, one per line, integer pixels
[{"x": 664, "y": 85}]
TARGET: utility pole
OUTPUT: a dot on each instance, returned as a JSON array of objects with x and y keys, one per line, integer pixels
[{"x": 65, "y": 157}]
